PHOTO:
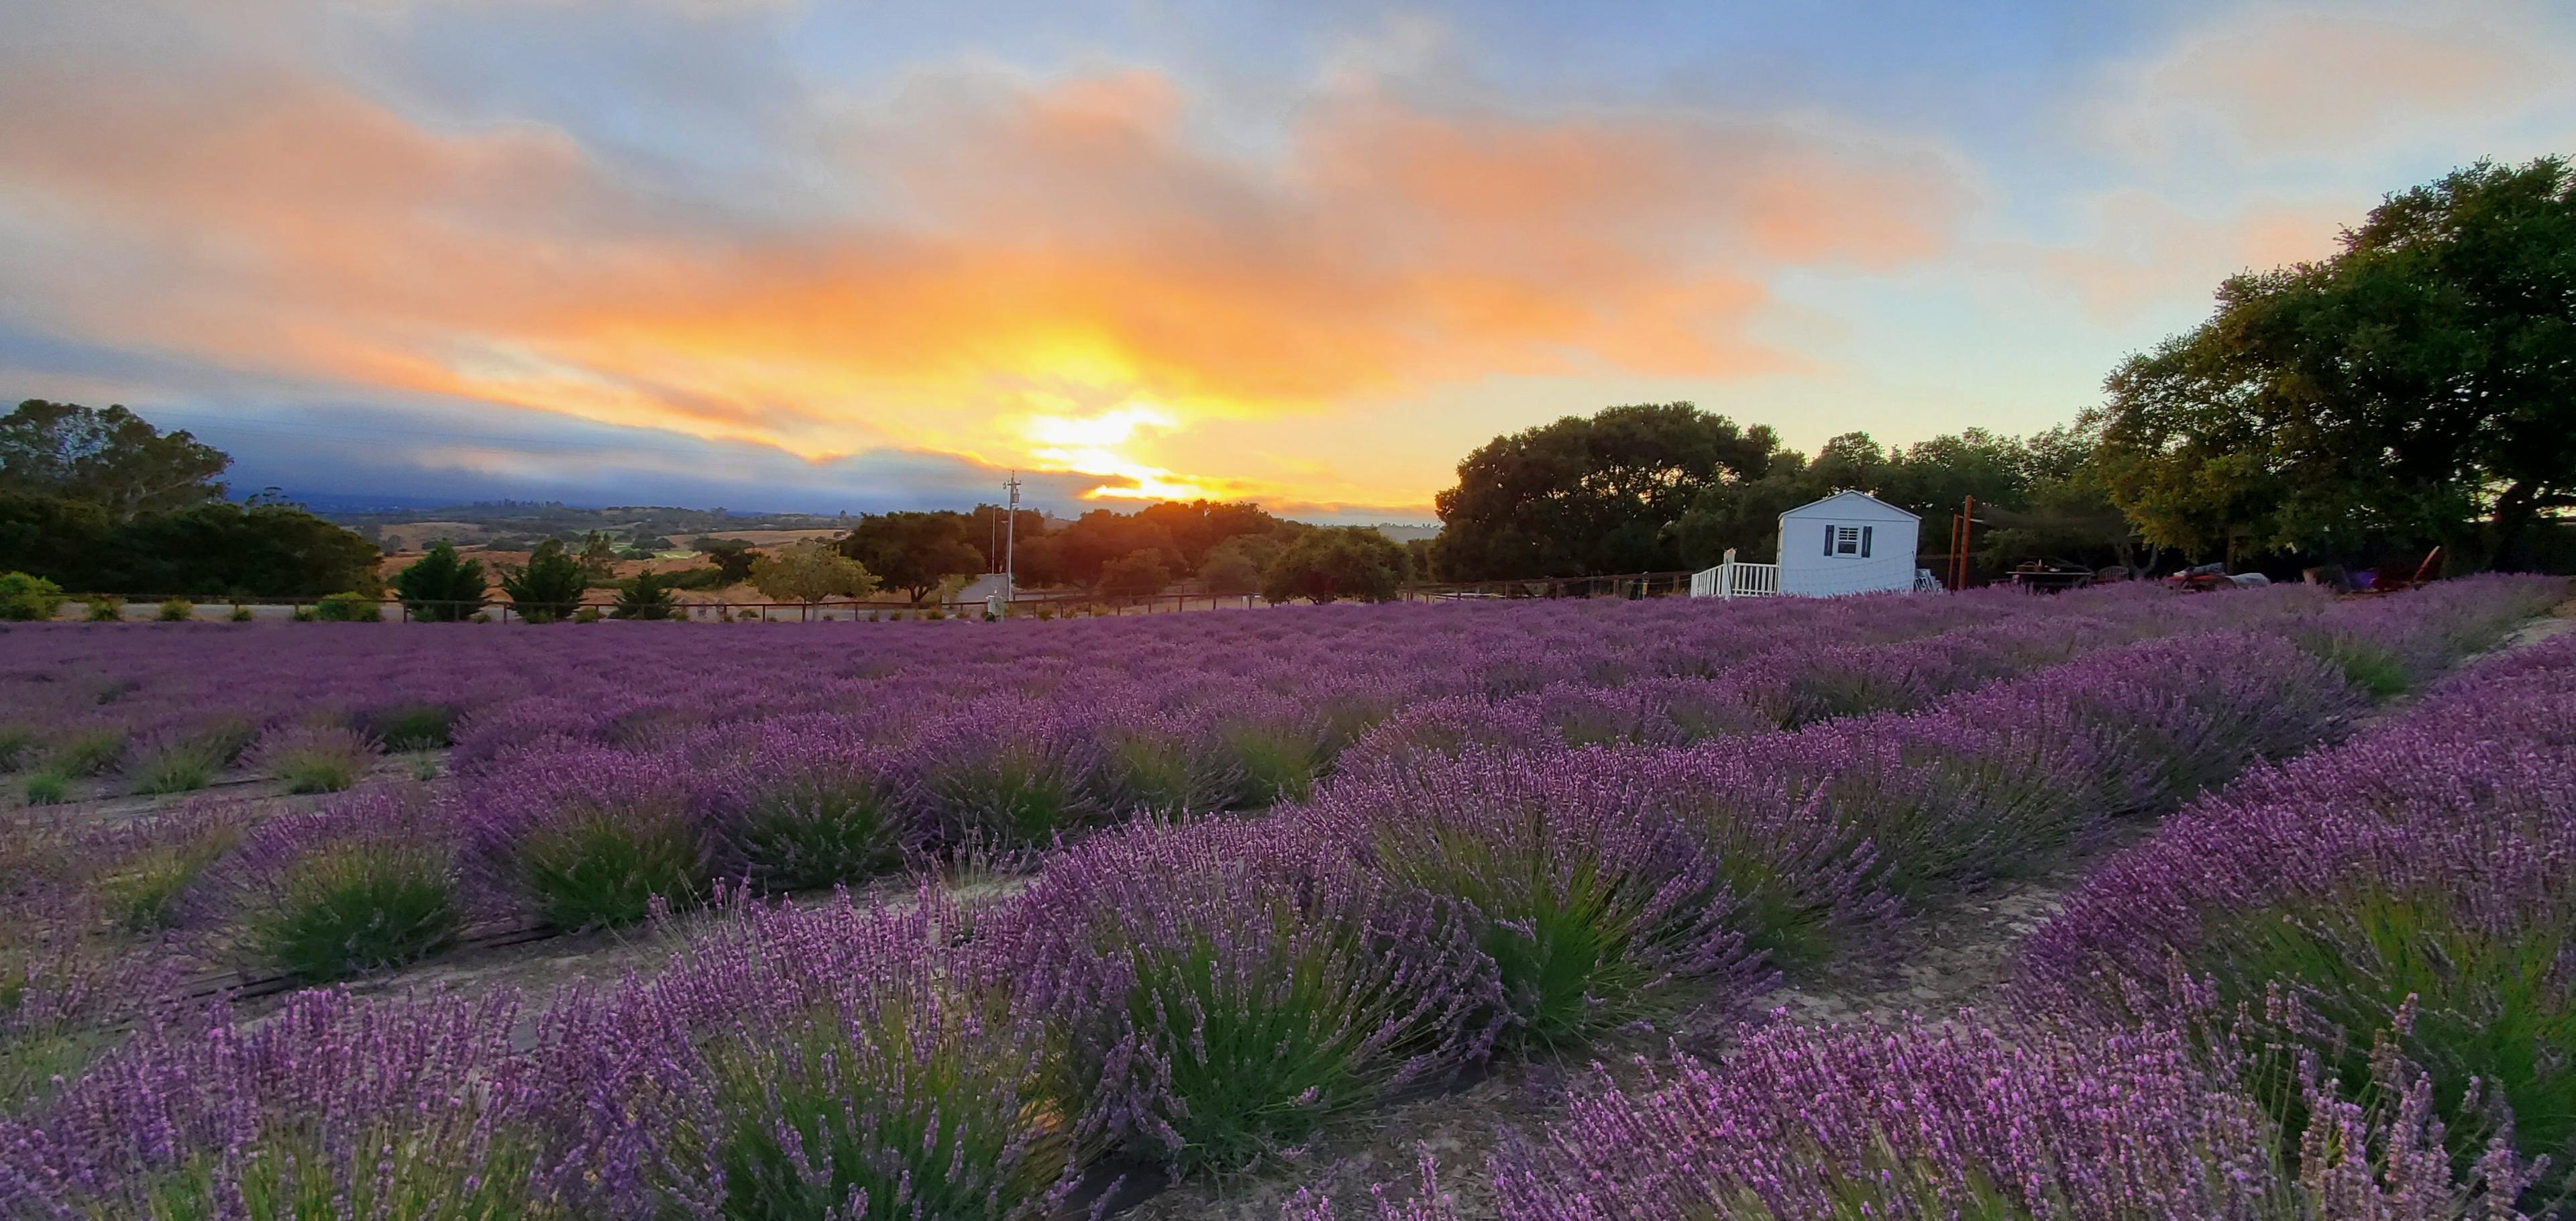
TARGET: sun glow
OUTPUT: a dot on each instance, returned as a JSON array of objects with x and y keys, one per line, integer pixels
[{"x": 1089, "y": 445}]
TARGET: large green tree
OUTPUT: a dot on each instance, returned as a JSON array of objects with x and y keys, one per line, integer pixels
[
  {"x": 109, "y": 457},
  {"x": 1586, "y": 496},
  {"x": 912, "y": 552},
  {"x": 1325, "y": 565},
  {"x": 2418, "y": 386}
]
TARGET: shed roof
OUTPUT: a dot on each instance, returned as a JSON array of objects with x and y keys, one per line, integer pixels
[{"x": 1845, "y": 499}]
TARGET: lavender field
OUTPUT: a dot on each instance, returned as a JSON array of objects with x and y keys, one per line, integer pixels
[{"x": 1030, "y": 919}]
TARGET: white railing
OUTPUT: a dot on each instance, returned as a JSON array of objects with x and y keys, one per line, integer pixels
[{"x": 1734, "y": 580}]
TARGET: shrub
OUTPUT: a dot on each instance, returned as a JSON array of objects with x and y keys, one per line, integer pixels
[
  {"x": 601, "y": 867},
  {"x": 29, "y": 598},
  {"x": 305, "y": 614},
  {"x": 1016, "y": 773},
  {"x": 314, "y": 758},
  {"x": 334, "y": 1106},
  {"x": 2405, "y": 891},
  {"x": 587, "y": 614},
  {"x": 1586, "y": 897},
  {"x": 441, "y": 587},
  {"x": 807, "y": 811},
  {"x": 349, "y": 608},
  {"x": 548, "y": 586},
  {"x": 1223, "y": 989},
  {"x": 177, "y": 610},
  {"x": 647, "y": 595},
  {"x": 180, "y": 765},
  {"x": 20, "y": 744},
  {"x": 860, "y": 1067},
  {"x": 1961, "y": 1121},
  {"x": 412, "y": 725},
  {"x": 45, "y": 788},
  {"x": 106, "y": 608},
  {"x": 88, "y": 751},
  {"x": 241, "y": 614},
  {"x": 367, "y": 903},
  {"x": 155, "y": 862}
]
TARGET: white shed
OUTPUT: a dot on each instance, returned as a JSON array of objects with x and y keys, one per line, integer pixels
[{"x": 1847, "y": 543}]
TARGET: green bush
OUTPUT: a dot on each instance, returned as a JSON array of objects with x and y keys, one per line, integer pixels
[
  {"x": 241, "y": 614},
  {"x": 305, "y": 614},
  {"x": 314, "y": 759},
  {"x": 142, "y": 892},
  {"x": 811, "y": 834},
  {"x": 411, "y": 726},
  {"x": 548, "y": 586},
  {"x": 106, "y": 608},
  {"x": 349, "y": 608},
  {"x": 647, "y": 595},
  {"x": 19, "y": 742},
  {"x": 587, "y": 614},
  {"x": 88, "y": 752},
  {"x": 47, "y": 788},
  {"x": 177, "y": 610},
  {"x": 358, "y": 907},
  {"x": 904, "y": 1088},
  {"x": 25, "y": 598},
  {"x": 440, "y": 587},
  {"x": 182, "y": 766},
  {"x": 601, "y": 868}
]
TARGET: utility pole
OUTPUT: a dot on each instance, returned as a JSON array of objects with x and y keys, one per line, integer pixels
[{"x": 1011, "y": 540}]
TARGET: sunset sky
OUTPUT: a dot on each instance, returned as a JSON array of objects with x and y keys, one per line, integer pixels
[{"x": 821, "y": 256}]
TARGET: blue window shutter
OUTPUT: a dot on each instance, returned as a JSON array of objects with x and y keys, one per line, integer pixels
[
  {"x": 1829, "y": 538},
  {"x": 1864, "y": 541}
]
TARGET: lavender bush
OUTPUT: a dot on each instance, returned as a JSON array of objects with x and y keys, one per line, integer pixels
[
  {"x": 1586, "y": 898},
  {"x": 1222, "y": 989},
  {"x": 1922, "y": 1122},
  {"x": 2411, "y": 886},
  {"x": 335, "y": 1107},
  {"x": 850, "y": 1062},
  {"x": 313, "y": 758},
  {"x": 363, "y": 885}
]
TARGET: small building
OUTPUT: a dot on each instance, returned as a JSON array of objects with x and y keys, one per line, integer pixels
[{"x": 1847, "y": 543}]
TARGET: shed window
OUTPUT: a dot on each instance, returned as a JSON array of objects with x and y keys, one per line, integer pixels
[{"x": 1846, "y": 540}]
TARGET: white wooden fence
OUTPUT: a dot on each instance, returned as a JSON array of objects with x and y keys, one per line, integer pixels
[{"x": 1734, "y": 580}]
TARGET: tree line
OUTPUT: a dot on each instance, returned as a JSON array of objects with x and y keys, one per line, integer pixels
[
  {"x": 2415, "y": 390},
  {"x": 97, "y": 500}
]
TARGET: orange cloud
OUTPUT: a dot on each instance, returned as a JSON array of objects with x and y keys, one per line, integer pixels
[
  {"x": 2151, "y": 252},
  {"x": 2337, "y": 81},
  {"x": 1065, "y": 250}
]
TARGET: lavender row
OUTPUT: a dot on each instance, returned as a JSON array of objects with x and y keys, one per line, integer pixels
[
  {"x": 2413, "y": 890},
  {"x": 156, "y": 709},
  {"x": 1190, "y": 995},
  {"x": 1917, "y": 1123}
]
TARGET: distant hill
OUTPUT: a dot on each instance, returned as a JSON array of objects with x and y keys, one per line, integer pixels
[
  {"x": 1404, "y": 532},
  {"x": 517, "y": 524}
]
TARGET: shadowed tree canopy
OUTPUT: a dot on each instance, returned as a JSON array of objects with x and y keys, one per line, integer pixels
[
  {"x": 1586, "y": 496},
  {"x": 2418, "y": 386},
  {"x": 1334, "y": 563},
  {"x": 913, "y": 552},
  {"x": 109, "y": 457}
]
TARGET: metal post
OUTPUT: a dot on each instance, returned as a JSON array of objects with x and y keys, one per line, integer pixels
[{"x": 1011, "y": 539}]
